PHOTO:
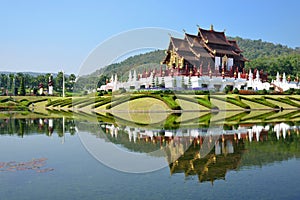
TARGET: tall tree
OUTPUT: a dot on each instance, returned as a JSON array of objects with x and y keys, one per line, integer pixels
[
  {"x": 12, "y": 84},
  {"x": 70, "y": 82},
  {"x": 41, "y": 79},
  {"x": 102, "y": 80},
  {"x": 18, "y": 78},
  {"x": 59, "y": 81},
  {"x": 22, "y": 87},
  {"x": 3, "y": 81}
]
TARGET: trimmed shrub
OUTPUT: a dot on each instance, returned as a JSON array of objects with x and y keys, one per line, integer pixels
[
  {"x": 227, "y": 89},
  {"x": 206, "y": 103},
  {"x": 247, "y": 92},
  {"x": 235, "y": 91}
]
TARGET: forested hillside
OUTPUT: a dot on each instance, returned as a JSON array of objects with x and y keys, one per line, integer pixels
[
  {"x": 254, "y": 49},
  {"x": 138, "y": 62},
  {"x": 270, "y": 57}
]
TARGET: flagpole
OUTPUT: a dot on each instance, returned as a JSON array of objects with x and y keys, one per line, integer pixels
[{"x": 63, "y": 83}]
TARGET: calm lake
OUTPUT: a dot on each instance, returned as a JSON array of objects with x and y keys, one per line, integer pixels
[{"x": 72, "y": 158}]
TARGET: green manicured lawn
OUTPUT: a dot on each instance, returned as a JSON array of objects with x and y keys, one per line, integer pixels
[
  {"x": 142, "y": 104},
  {"x": 190, "y": 105},
  {"x": 158, "y": 102}
]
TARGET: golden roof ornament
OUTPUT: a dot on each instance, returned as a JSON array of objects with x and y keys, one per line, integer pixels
[{"x": 211, "y": 27}]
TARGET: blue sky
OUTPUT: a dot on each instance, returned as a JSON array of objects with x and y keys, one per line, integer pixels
[{"x": 47, "y": 36}]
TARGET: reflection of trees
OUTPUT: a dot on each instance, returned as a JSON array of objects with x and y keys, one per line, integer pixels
[
  {"x": 272, "y": 150},
  {"x": 231, "y": 122},
  {"x": 23, "y": 126}
]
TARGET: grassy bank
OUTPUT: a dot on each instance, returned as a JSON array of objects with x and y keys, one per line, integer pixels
[{"x": 152, "y": 103}]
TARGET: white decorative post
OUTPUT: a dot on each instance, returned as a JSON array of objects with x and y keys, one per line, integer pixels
[
  {"x": 63, "y": 123},
  {"x": 50, "y": 126},
  {"x": 41, "y": 88},
  {"x": 50, "y": 85}
]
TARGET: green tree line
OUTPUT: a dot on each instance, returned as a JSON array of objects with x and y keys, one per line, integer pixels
[{"x": 25, "y": 84}]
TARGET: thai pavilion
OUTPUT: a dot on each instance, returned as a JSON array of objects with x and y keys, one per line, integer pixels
[{"x": 208, "y": 52}]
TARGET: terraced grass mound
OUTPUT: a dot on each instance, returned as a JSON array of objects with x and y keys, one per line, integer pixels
[{"x": 141, "y": 104}]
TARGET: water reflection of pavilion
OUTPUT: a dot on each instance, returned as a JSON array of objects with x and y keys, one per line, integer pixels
[
  {"x": 246, "y": 145},
  {"x": 247, "y": 132}
]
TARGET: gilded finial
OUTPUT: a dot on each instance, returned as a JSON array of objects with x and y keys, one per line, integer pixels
[{"x": 211, "y": 27}]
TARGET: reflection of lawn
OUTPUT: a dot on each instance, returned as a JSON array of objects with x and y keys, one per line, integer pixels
[
  {"x": 257, "y": 116},
  {"x": 27, "y": 114},
  {"x": 282, "y": 116},
  {"x": 254, "y": 114},
  {"x": 221, "y": 116},
  {"x": 141, "y": 118},
  {"x": 190, "y": 117}
]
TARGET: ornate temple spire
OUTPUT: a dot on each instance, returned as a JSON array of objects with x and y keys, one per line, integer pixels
[
  {"x": 129, "y": 76},
  {"x": 257, "y": 75},
  {"x": 116, "y": 78},
  {"x": 283, "y": 78},
  {"x": 277, "y": 77},
  {"x": 134, "y": 75},
  {"x": 112, "y": 78}
]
